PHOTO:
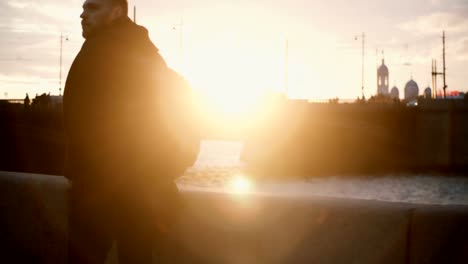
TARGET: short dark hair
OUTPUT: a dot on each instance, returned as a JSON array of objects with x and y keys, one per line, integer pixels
[{"x": 123, "y": 4}]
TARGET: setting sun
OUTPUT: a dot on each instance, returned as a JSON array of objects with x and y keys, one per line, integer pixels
[
  {"x": 233, "y": 103},
  {"x": 230, "y": 75}
]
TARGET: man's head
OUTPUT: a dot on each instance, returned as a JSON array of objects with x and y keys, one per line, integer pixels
[{"x": 98, "y": 13}]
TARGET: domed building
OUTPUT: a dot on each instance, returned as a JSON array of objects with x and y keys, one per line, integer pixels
[
  {"x": 428, "y": 93},
  {"x": 395, "y": 93},
  {"x": 411, "y": 90},
  {"x": 382, "y": 79}
]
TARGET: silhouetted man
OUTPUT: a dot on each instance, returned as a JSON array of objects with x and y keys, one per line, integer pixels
[{"x": 122, "y": 158}]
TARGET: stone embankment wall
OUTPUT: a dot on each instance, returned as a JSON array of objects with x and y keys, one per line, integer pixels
[{"x": 325, "y": 139}]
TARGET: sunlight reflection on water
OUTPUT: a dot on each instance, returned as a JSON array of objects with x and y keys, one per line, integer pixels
[{"x": 218, "y": 168}]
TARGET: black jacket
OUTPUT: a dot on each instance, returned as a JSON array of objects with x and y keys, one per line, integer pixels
[{"x": 115, "y": 97}]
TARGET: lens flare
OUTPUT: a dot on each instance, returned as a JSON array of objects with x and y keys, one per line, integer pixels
[{"x": 240, "y": 185}]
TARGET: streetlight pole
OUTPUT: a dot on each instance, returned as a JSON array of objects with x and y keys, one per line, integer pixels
[
  {"x": 180, "y": 27},
  {"x": 443, "y": 61},
  {"x": 60, "y": 71},
  {"x": 363, "y": 56},
  {"x": 286, "y": 68},
  {"x": 181, "y": 40},
  {"x": 435, "y": 73},
  {"x": 363, "y": 38}
]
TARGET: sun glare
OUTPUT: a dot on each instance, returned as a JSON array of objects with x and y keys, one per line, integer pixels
[
  {"x": 240, "y": 185},
  {"x": 232, "y": 73},
  {"x": 233, "y": 103}
]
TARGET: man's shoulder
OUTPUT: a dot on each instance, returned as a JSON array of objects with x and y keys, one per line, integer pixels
[{"x": 122, "y": 48}]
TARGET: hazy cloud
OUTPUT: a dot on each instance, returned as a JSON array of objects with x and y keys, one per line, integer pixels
[
  {"x": 462, "y": 49},
  {"x": 437, "y": 22},
  {"x": 455, "y": 24},
  {"x": 30, "y": 33},
  {"x": 460, "y": 6}
]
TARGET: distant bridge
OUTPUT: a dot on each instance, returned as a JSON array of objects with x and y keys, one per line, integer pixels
[{"x": 12, "y": 101}]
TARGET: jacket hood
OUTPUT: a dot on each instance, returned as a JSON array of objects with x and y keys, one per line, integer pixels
[{"x": 127, "y": 33}]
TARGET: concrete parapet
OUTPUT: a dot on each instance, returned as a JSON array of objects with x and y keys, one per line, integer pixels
[
  {"x": 439, "y": 234},
  {"x": 230, "y": 228}
]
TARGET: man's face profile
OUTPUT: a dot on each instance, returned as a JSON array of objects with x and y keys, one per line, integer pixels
[{"x": 98, "y": 13}]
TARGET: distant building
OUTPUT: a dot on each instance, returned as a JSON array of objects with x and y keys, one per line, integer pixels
[
  {"x": 47, "y": 101},
  {"x": 382, "y": 79},
  {"x": 428, "y": 93},
  {"x": 395, "y": 93},
  {"x": 27, "y": 101},
  {"x": 411, "y": 91},
  {"x": 56, "y": 100}
]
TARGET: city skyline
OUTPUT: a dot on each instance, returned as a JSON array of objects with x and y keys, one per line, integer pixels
[{"x": 238, "y": 50}]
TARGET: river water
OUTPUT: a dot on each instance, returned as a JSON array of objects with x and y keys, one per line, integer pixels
[{"x": 219, "y": 166}]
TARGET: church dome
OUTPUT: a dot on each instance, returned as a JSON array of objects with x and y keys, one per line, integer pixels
[
  {"x": 411, "y": 90},
  {"x": 382, "y": 79},
  {"x": 428, "y": 92},
  {"x": 395, "y": 93},
  {"x": 383, "y": 68}
]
